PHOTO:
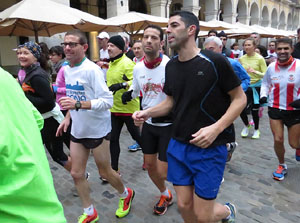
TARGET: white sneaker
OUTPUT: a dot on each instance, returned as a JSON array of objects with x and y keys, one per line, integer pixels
[
  {"x": 256, "y": 134},
  {"x": 245, "y": 131}
]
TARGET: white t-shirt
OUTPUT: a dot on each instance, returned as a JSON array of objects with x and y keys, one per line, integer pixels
[
  {"x": 150, "y": 82},
  {"x": 86, "y": 83}
]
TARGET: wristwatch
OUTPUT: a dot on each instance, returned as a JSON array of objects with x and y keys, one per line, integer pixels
[
  {"x": 124, "y": 84},
  {"x": 77, "y": 105}
]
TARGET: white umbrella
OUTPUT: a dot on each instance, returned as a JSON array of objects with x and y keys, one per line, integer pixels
[
  {"x": 215, "y": 24},
  {"x": 133, "y": 22},
  {"x": 45, "y": 18}
]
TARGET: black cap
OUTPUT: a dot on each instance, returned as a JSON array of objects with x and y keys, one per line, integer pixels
[{"x": 118, "y": 41}]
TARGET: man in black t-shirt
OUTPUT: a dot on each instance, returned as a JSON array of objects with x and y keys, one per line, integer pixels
[{"x": 206, "y": 97}]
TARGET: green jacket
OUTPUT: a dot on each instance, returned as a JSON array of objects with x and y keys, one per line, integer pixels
[
  {"x": 27, "y": 192},
  {"x": 114, "y": 75}
]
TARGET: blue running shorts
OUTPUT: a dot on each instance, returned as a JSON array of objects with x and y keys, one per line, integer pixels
[{"x": 191, "y": 165}]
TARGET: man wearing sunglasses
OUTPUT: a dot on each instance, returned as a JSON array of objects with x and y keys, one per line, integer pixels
[{"x": 88, "y": 101}]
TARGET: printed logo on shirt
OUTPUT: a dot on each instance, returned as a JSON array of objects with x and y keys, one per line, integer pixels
[
  {"x": 200, "y": 73},
  {"x": 142, "y": 77},
  {"x": 76, "y": 92},
  {"x": 155, "y": 88},
  {"x": 291, "y": 78}
]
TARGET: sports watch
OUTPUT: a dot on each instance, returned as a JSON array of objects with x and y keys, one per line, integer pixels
[{"x": 77, "y": 105}]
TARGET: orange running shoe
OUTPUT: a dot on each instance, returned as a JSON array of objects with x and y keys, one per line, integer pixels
[{"x": 162, "y": 205}]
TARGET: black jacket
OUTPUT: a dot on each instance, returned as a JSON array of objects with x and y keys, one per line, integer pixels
[
  {"x": 37, "y": 88},
  {"x": 296, "y": 53}
]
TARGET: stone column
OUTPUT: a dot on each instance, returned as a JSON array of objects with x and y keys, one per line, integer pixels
[
  {"x": 211, "y": 15},
  {"x": 93, "y": 46},
  {"x": 192, "y": 6},
  {"x": 160, "y": 7},
  {"x": 230, "y": 18},
  {"x": 116, "y": 7}
]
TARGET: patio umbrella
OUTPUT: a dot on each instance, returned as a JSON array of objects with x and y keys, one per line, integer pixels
[
  {"x": 215, "y": 24},
  {"x": 133, "y": 22},
  {"x": 45, "y": 18}
]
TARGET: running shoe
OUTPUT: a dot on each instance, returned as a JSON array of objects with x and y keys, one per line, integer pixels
[
  {"x": 256, "y": 134},
  {"x": 125, "y": 204},
  {"x": 231, "y": 218},
  {"x": 162, "y": 205},
  {"x": 230, "y": 147},
  {"x": 297, "y": 155},
  {"x": 280, "y": 173},
  {"x": 84, "y": 218},
  {"x": 135, "y": 147},
  {"x": 245, "y": 131},
  {"x": 87, "y": 176}
]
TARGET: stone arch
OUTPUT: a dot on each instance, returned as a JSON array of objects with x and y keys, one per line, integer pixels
[
  {"x": 138, "y": 6},
  {"x": 254, "y": 14},
  {"x": 241, "y": 10},
  {"x": 274, "y": 19},
  {"x": 265, "y": 17},
  {"x": 289, "y": 22},
  {"x": 295, "y": 22},
  {"x": 211, "y": 9},
  {"x": 282, "y": 21},
  {"x": 226, "y": 8}
]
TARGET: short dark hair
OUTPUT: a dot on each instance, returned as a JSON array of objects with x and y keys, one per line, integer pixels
[
  {"x": 78, "y": 33},
  {"x": 298, "y": 30},
  {"x": 222, "y": 34},
  {"x": 136, "y": 41},
  {"x": 161, "y": 32},
  {"x": 57, "y": 50},
  {"x": 212, "y": 31},
  {"x": 234, "y": 44},
  {"x": 189, "y": 19},
  {"x": 284, "y": 40}
]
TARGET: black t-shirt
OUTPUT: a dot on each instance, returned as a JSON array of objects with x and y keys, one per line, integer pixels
[
  {"x": 199, "y": 88},
  {"x": 296, "y": 52}
]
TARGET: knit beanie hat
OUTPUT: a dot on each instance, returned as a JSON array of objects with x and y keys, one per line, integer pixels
[
  {"x": 33, "y": 47},
  {"x": 118, "y": 41}
]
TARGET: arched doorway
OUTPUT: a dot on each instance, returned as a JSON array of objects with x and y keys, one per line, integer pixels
[
  {"x": 138, "y": 6},
  {"x": 289, "y": 22},
  {"x": 254, "y": 14},
  {"x": 282, "y": 22},
  {"x": 265, "y": 17},
  {"x": 226, "y": 14},
  {"x": 241, "y": 11},
  {"x": 274, "y": 19}
]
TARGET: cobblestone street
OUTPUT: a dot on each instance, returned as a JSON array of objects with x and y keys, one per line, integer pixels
[{"x": 248, "y": 184}]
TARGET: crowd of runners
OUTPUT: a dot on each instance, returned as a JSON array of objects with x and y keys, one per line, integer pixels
[{"x": 179, "y": 111}]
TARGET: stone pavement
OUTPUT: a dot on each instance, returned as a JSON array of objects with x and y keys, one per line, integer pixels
[{"x": 248, "y": 184}]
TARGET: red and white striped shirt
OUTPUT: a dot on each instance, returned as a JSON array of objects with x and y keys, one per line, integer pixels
[{"x": 281, "y": 85}]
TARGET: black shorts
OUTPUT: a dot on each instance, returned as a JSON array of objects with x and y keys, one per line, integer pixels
[
  {"x": 155, "y": 140},
  {"x": 289, "y": 118},
  {"x": 90, "y": 143}
]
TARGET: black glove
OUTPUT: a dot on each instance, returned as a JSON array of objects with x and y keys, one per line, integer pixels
[
  {"x": 115, "y": 87},
  {"x": 295, "y": 104},
  {"x": 126, "y": 97},
  {"x": 263, "y": 100}
]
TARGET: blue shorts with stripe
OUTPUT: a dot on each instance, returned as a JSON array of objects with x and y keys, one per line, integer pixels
[{"x": 191, "y": 165}]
